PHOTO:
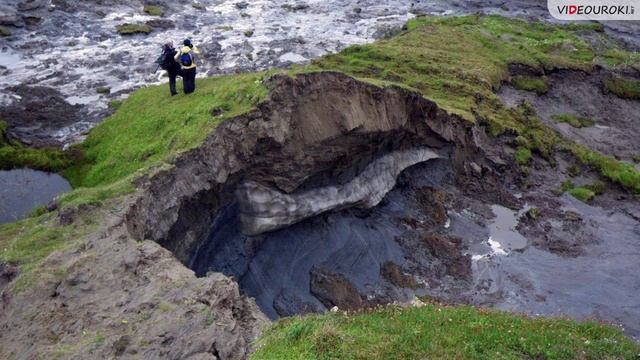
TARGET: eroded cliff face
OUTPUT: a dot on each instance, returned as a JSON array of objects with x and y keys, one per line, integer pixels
[
  {"x": 316, "y": 130},
  {"x": 322, "y": 143}
]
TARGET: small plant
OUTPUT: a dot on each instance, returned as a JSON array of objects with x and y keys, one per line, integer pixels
[
  {"x": 622, "y": 87},
  {"x": 103, "y": 90},
  {"x": 530, "y": 83},
  {"x": 132, "y": 29},
  {"x": 248, "y": 33},
  {"x": 598, "y": 187},
  {"x": 582, "y": 193},
  {"x": 574, "y": 170},
  {"x": 575, "y": 121},
  {"x": 153, "y": 10},
  {"x": 533, "y": 213},
  {"x": 523, "y": 156}
]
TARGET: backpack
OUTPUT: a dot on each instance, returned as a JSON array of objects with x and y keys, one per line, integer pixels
[
  {"x": 161, "y": 61},
  {"x": 186, "y": 59},
  {"x": 165, "y": 60}
]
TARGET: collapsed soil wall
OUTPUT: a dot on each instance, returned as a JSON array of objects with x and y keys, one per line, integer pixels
[{"x": 314, "y": 127}]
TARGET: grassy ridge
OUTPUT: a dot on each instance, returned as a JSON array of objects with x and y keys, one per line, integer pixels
[
  {"x": 440, "y": 332},
  {"x": 150, "y": 126}
]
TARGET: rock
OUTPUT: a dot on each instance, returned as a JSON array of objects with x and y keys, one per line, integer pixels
[
  {"x": 121, "y": 345},
  {"x": 30, "y": 5},
  {"x": 39, "y": 113},
  {"x": 334, "y": 289},
  {"x": 394, "y": 274},
  {"x": 161, "y": 23},
  {"x": 11, "y": 20},
  {"x": 7, "y": 274},
  {"x": 4, "y": 32},
  {"x": 242, "y": 5},
  {"x": 198, "y": 6},
  {"x": 295, "y": 7},
  {"x": 449, "y": 251}
]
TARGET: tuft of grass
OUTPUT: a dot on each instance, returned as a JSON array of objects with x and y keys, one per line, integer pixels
[
  {"x": 582, "y": 193},
  {"x": 618, "y": 172},
  {"x": 436, "y": 331},
  {"x": 530, "y": 83},
  {"x": 132, "y": 29},
  {"x": 573, "y": 120},
  {"x": 523, "y": 156},
  {"x": 103, "y": 90},
  {"x": 622, "y": 87},
  {"x": 153, "y": 10}
]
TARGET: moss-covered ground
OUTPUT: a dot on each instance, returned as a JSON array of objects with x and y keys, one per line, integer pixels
[{"x": 458, "y": 62}]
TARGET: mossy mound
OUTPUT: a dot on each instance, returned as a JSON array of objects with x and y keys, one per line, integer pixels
[
  {"x": 153, "y": 10},
  {"x": 132, "y": 29},
  {"x": 573, "y": 120}
]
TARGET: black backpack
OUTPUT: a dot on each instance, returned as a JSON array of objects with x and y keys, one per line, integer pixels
[{"x": 166, "y": 60}]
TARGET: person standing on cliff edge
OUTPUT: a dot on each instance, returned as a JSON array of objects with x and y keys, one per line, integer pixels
[
  {"x": 186, "y": 58},
  {"x": 167, "y": 62}
]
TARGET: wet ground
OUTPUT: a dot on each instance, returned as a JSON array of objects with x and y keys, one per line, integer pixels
[
  {"x": 464, "y": 250},
  {"x": 21, "y": 190}
]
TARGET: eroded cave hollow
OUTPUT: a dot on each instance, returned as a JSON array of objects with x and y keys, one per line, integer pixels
[{"x": 293, "y": 199}]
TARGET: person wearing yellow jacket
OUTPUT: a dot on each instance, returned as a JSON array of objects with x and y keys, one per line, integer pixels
[{"x": 186, "y": 57}]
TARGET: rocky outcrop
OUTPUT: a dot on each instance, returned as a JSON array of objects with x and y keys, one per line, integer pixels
[{"x": 316, "y": 130}]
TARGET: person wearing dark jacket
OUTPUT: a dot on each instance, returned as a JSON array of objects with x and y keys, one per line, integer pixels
[
  {"x": 187, "y": 59},
  {"x": 170, "y": 64}
]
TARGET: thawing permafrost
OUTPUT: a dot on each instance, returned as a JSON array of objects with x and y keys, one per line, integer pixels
[{"x": 263, "y": 208}]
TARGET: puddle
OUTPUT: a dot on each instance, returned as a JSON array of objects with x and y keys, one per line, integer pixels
[
  {"x": 23, "y": 189},
  {"x": 503, "y": 236}
]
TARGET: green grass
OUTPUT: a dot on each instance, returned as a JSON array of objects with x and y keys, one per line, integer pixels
[
  {"x": 15, "y": 155},
  {"x": 132, "y": 29},
  {"x": 573, "y": 120},
  {"x": 440, "y": 332},
  {"x": 523, "y": 156},
  {"x": 530, "y": 83},
  {"x": 622, "y": 87},
  {"x": 151, "y": 126},
  {"x": 616, "y": 171},
  {"x": 153, "y": 10},
  {"x": 582, "y": 193}
]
